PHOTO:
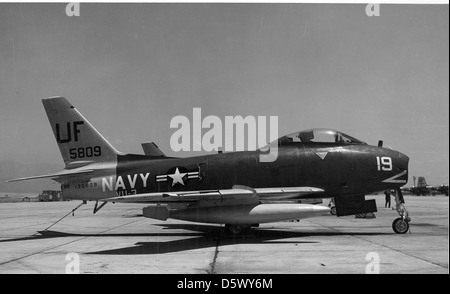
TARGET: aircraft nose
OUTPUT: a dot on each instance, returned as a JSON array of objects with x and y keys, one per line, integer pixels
[
  {"x": 401, "y": 164},
  {"x": 403, "y": 161}
]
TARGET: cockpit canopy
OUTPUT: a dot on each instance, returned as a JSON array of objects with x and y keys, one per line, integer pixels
[{"x": 319, "y": 136}]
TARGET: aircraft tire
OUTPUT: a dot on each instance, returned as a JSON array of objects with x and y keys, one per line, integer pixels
[
  {"x": 333, "y": 210},
  {"x": 400, "y": 226}
]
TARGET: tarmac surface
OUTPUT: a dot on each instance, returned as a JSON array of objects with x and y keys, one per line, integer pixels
[{"x": 119, "y": 240}]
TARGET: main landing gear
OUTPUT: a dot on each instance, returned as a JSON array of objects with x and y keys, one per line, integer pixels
[
  {"x": 401, "y": 224},
  {"x": 238, "y": 229},
  {"x": 235, "y": 229}
]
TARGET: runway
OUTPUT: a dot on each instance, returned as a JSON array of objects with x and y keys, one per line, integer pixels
[{"x": 119, "y": 240}]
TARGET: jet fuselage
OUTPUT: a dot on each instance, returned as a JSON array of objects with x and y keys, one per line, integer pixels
[{"x": 338, "y": 170}]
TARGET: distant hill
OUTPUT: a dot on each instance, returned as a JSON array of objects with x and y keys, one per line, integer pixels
[{"x": 10, "y": 169}]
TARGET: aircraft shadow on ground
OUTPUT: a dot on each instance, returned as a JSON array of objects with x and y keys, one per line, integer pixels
[
  {"x": 213, "y": 236},
  {"x": 203, "y": 236}
]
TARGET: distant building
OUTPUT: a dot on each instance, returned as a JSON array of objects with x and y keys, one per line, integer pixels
[{"x": 50, "y": 195}]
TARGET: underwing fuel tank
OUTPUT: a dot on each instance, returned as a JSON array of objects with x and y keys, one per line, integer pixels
[{"x": 243, "y": 214}]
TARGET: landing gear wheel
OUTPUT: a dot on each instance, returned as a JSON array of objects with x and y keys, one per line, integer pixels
[
  {"x": 235, "y": 229},
  {"x": 400, "y": 226},
  {"x": 333, "y": 210}
]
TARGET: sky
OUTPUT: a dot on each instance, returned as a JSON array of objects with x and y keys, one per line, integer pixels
[{"x": 130, "y": 68}]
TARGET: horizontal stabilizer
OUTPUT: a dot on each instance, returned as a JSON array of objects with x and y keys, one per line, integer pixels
[{"x": 62, "y": 174}]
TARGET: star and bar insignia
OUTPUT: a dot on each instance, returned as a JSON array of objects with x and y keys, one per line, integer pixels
[{"x": 178, "y": 175}]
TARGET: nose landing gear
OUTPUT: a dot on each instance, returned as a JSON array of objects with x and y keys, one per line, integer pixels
[{"x": 401, "y": 224}]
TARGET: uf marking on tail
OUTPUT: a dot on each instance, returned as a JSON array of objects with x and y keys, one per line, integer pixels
[{"x": 76, "y": 131}]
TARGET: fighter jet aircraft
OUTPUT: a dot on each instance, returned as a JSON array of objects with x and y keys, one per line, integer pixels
[
  {"x": 233, "y": 188},
  {"x": 423, "y": 189}
]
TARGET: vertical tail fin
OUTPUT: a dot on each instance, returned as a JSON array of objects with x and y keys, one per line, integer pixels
[
  {"x": 78, "y": 141},
  {"x": 421, "y": 182}
]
